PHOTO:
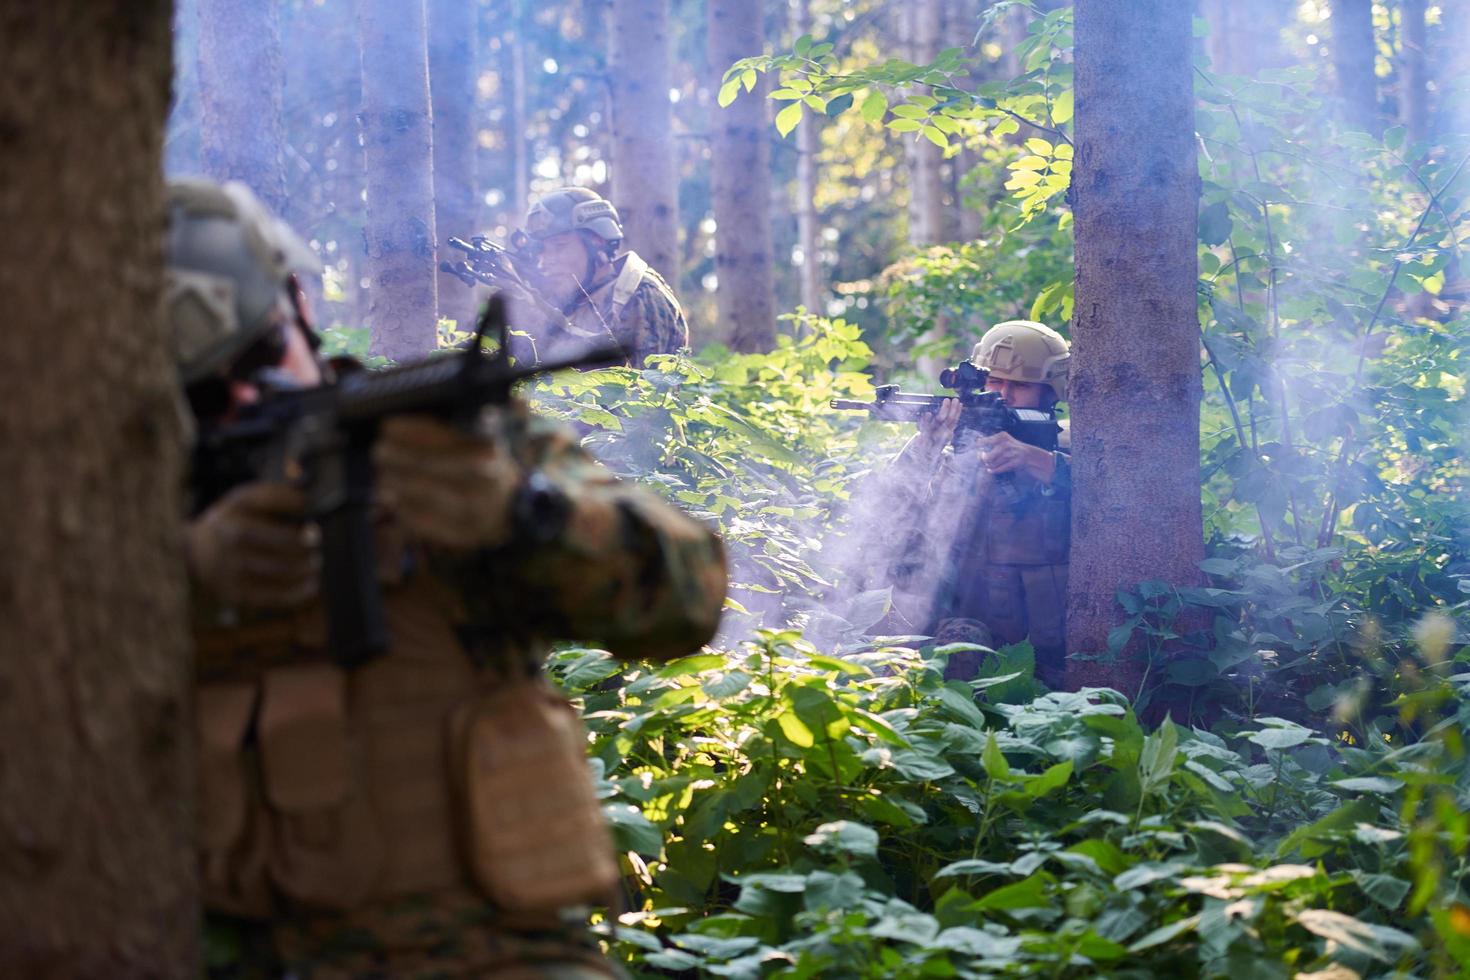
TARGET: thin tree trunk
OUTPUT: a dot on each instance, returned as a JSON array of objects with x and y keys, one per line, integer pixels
[
  {"x": 740, "y": 178},
  {"x": 808, "y": 145},
  {"x": 644, "y": 180},
  {"x": 1414, "y": 72},
  {"x": 961, "y": 21},
  {"x": 240, "y": 74},
  {"x": 452, "y": 95},
  {"x": 1135, "y": 387},
  {"x": 97, "y": 859},
  {"x": 519, "y": 124},
  {"x": 925, "y": 159},
  {"x": 397, "y": 133},
  {"x": 1353, "y": 57}
]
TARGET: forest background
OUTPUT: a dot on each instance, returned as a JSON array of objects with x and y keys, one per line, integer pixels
[{"x": 1263, "y": 771}]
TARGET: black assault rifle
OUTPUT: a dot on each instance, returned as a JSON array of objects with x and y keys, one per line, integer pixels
[
  {"x": 981, "y": 412},
  {"x": 321, "y": 438},
  {"x": 512, "y": 270}
]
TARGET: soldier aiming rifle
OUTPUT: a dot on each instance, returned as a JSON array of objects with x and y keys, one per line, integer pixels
[{"x": 566, "y": 266}]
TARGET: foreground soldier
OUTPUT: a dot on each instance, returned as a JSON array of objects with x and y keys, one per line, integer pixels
[
  {"x": 576, "y": 235},
  {"x": 996, "y": 511},
  {"x": 427, "y": 813}
]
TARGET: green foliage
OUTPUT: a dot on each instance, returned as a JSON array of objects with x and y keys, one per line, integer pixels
[{"x": 787, "y": 813}]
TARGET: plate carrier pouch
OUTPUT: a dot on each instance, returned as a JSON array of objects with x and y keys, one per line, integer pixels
[{"x": 532, "y": 829}]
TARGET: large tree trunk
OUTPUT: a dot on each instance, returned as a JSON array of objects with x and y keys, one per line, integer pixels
[
  {"x": 398, "y": 146},
  {"x": 240, "y": 72},
  {"x": 1135, "y": 387},
  {"x": 1353, "y": 57},
  {"x": 808, "y": 145},
  {"x": 645, "y": 182},
  {"x": 1414, "y": 72},
  {"x": 97, "y": 859},
  {"x": 740, "y": 179},
  {"x": 452, "y": 25}
]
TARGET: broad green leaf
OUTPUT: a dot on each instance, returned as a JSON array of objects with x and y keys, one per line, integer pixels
[
  {"x": 994, "y": 761},
  {"x": 1029, "y": 893},
  {"x": 795, "y": 730},
  {"x": 728, "y": 92},
  {"x": 787, "y": 118},
  {"x": 875, "y": 104},
  {"x": 845, "y": 837},
  {"x": 1354, "y": 934},
  {"x": 1164, "y": 934}
]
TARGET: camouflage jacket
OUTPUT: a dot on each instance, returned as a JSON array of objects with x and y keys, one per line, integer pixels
[
  {"x": 632, "y": 304},
  {"x": 290, "y": 742}
]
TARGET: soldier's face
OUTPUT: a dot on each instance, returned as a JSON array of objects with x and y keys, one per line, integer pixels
[
  {"x": 563, "y": 261},
  {"x": 298, "y": 363},
  {"x": 1019, "y": 394}
]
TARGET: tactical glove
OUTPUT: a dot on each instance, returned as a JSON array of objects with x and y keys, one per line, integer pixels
[
  {"x": 253, "y": 547},
  {"x": 447, "y": 487}
]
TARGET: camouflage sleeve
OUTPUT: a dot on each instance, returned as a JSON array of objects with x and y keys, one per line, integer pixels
[
  {"x": 652, "y": 322},
  {"x": 628, "y": 571}
]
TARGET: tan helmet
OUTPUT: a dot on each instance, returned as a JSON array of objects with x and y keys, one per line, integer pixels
[
  {"x": 1024, "y": 350},
  {"x": 573, "y": 209},
  {"x": 228, "y": 260}
]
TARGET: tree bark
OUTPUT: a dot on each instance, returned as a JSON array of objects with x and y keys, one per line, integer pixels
[
  {"x": 1353, "y": 58},
  {"x": 644, "y": 179},
  {"x": 240, "y": 72},
  {"x": 1135, "y": 387},
  {"x": 398, "y": 153},
  {"x": 97, "y": 859},
  {"x": 740, "y": 185},
  {"x": 808, "y": 145},
  {"x": 1414, "y": 72},
  {"x": 452, "y": 97}
]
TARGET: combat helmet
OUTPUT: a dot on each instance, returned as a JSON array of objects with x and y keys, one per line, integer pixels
[
  {"x": 573, "y": 209},
  {"x": 228, "y": 260},
  {"x": 1024, "y": 350}
]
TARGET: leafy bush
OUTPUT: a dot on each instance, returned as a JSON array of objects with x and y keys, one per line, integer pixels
[{"x": 788, "y": 813}]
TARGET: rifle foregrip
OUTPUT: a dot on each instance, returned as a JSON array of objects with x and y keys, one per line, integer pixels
[{"x": 356, "y": 626}]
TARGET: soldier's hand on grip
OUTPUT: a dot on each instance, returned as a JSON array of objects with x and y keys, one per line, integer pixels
[
  {"x": 935, "y": 431},
  {"x": 253, "y": 547},
  {"x": 1004, "y": 453},
  {"x": 447, "y": 487}
]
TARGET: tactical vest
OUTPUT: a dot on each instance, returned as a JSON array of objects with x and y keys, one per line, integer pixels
[
  {"x": 1009, "y": 568},
  {"x": 421, "y": 772}
]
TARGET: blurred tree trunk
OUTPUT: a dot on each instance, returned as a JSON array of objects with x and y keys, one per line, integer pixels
[
  {"x": 96, "y": 783},
  {"x": 1414, "y": 72},
  {"x": 240, "y": 72},
  {"x": 452, "y": 25},
  {"x": 1353, "y": 57},
  {"x": 808, "y": 145},
  {"x": 1245, "y": 35},
  {"x": 925, "y": 159},
  {"x": 398, "y": 152},
  {"x": 1135, "y": 386},
  {"x": 519, "y": 123},
  {"x": 644, "y": 179},
  {"x": 740, "y": 179},
  {"x": 961, "y": 21}
]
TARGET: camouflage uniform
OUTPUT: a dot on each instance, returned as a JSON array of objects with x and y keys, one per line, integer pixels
[
  {"x": 357, "y": 852},
  {"x": 632, "y": 304}
]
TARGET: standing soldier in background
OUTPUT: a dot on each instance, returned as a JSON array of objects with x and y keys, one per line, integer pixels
[
  {"x": 996, "y": 511},
  {"x": 427, "y": 812}
]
